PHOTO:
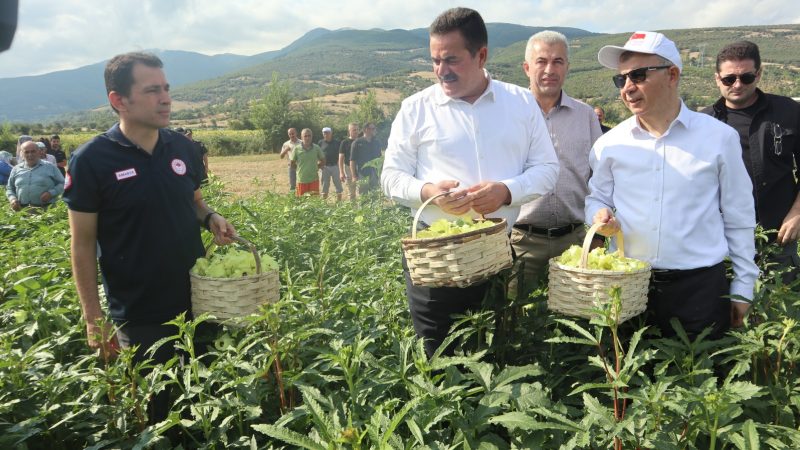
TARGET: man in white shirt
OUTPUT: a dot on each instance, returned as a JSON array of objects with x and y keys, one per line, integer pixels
[
  {"x": 679, "y": 191},
  {"x": 552, "y": 223},
  {"x": 481, "y": 140},
  {"x": 286, "y": 150}
]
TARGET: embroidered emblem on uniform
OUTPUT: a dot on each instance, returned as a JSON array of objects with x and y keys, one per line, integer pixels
[
  {"x": 67, "y": 181},
  {"x": 125, "y": 174},
  {"x": 178, "y": 166}
]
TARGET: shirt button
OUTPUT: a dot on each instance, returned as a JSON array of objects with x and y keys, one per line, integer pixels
[{"x": 764, "y": 183}]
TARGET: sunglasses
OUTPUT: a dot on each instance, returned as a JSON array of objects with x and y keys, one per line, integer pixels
[
  {"x": 636, "y": 75},
  {"x": 745, "y": 78}
]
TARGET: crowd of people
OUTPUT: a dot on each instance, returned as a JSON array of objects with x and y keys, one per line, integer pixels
[
  {"x": 332, "y": 161},
  {"x": 686, "y": 188}
]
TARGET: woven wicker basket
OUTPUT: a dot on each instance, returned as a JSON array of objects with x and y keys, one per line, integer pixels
[
  {"x": 231, "y": 298},
  {"x": 459, "y": 260},
  {"x": 576, "y": 291}
]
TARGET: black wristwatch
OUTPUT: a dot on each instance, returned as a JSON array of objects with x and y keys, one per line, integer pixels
[{"x": 207, "y": 219}]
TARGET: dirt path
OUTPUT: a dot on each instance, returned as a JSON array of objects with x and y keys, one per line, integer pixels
[{"x": 251, "y": 174}]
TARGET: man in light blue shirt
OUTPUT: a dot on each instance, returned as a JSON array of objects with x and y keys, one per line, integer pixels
[{"x": 33, "y": 182}]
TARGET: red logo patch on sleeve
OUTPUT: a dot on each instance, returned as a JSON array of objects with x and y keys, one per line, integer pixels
[{"x": 178, "y": 166}]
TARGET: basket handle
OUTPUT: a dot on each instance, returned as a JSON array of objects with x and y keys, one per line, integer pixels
[
  {"x": 419, "y": 212},
  {"x": 250, "y": 246},
  {"x": 587, "y": 242}
]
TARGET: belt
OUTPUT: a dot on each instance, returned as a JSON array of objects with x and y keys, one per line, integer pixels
[
  {"x": 660, "y": 275},
  {"x": 549, "y": 232}
]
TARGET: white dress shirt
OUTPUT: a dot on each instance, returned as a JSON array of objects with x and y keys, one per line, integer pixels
[
  {"x": 501, "y": 137},
  {"x": 684, "y": 199}
]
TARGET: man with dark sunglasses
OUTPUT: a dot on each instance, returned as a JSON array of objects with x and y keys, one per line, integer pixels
[
  {"x": 768, "y": 126},
  {"x": 674, "y": 182}
]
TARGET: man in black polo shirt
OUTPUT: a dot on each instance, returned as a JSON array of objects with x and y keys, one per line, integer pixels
[
  {"x": 134, "y": 202},
  {"x": 365, "y": 149}
]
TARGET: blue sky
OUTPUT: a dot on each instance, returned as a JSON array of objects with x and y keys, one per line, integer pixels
[{"x": 62, "y": 34}]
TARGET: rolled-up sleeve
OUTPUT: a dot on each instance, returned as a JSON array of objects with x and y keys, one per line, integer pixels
[
  {"x": 601, "y": 186},
  {"x": 58, "y": 182},
  {"x": 738, "y": 216}
]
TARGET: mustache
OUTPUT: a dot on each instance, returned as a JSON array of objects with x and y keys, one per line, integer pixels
[{"x": 449, "y": 78}]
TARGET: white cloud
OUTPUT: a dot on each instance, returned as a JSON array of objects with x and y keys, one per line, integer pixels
[{"x": 60, "y": 34}]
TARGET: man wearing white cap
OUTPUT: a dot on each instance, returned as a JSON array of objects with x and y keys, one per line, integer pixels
[
  {"x": 330, "y": 171},
  {"x": 678, "y": 189}
]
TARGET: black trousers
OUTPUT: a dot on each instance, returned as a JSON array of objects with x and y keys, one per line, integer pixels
[
  {"x": 694, "y": 297},
  {"x": 144, "y": 336},
  {"x": 432, "y": 309}
]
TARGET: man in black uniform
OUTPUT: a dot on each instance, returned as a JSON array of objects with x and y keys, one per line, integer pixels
[
  {"x": 769, "y": 131},
  {"x": 134, "y": 202},
  {"x": 58, "y": 153},
  {"x": 345, "y": 173},
  {"x": 364, "y": 150},
  {"x": 201, "y": 148}
]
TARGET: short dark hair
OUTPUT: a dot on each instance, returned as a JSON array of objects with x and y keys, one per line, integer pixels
[
  {"x": 55, "y": 136},
  {"x": 119, "y": 70},
  {"x": 739, "y": 51},
  {"x": 465, "y": 20}
]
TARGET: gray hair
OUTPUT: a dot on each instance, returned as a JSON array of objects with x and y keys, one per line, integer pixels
[{"x": 546, "y": 37}]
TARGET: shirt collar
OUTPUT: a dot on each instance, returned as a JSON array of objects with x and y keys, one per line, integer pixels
[
  {"x": 25, "y": 164},
  {"x": 683, "y": 119},
  {"x": 566, "y": 101},
  {"x": 442, "y": 98}
]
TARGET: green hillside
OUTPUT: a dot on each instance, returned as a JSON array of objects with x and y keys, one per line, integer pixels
[
  {"x": 328, "y": 62},
  {"x": 588, "y": 80}
]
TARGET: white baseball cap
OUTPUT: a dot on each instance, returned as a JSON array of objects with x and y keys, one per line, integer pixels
[
  {"x": 326, "y": 130},
  {"x": 648, "y": 42}
]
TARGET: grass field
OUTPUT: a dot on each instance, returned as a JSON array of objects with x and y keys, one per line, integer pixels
[{"x": 248, "y": 175}]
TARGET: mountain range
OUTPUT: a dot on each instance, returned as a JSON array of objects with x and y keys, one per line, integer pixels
[
  {"x": 328, "y": 62},
  {"x": 37, "y": 98}
]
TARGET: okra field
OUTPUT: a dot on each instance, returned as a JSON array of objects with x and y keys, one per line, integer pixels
[{"x": 336, "y": 364}]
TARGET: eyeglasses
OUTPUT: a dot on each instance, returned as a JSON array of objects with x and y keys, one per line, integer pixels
[
  {"x": 745, "y": 78},
  {"x": 636, "y": 75}
]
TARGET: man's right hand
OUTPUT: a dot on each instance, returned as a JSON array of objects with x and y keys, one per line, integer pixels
[
  {"x": 610, "y": 225},
  {"x": 15, "y": 205},
  {"x": 100, "y": 335},
  {"x": 456, "y": 202}
]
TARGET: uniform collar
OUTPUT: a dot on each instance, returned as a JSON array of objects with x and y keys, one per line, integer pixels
[
  {"x": 115, "y": 135},
  {"x": 442, "y": 99}
]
